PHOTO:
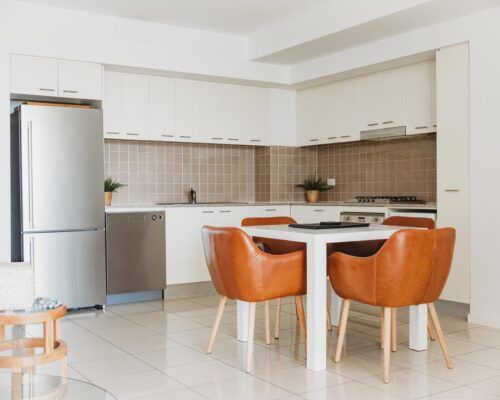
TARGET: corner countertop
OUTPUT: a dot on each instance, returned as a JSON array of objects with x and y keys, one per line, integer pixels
[{"x": 121, "y": 208}]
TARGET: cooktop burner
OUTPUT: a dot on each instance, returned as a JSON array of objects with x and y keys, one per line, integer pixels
[{"x": 388, "y": 199}]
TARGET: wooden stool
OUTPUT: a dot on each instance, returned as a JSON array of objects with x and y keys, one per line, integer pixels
[{"x": 54, "y": 348}]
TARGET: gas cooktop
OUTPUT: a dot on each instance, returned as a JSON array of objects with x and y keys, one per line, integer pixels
[{"x": 386, "y": 200}]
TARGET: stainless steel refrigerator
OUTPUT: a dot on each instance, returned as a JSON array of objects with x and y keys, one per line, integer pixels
[{"x": 57, "y": 201}]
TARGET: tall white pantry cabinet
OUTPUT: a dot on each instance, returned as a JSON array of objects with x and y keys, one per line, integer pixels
[{"x": 452, "y": 78}]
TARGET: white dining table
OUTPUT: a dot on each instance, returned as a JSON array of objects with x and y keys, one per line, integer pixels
[{"x": 316, "y": 241}]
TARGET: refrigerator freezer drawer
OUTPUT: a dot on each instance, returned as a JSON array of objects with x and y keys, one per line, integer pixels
[{"x": 69, "y": 266}]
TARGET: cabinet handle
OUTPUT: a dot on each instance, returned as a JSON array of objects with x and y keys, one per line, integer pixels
[
  {"x": 345, "y": 136},
  {"x": 319, "y": 210},
  {"x": 387, "y": 122},
  {"x": 217, "y": 138},
  {"x": 271, "y": 209},
  {"x": 225, "y": 211},
  {"x": 421, "y": 127},
  {"x": 167, "y": 135},
  {"x": 112, "y": 133},
  {"x": 207, "y": 212},
  {"x": 233, "y": 139},
  {"x": 255, "y": 140},
  {"x": 435, "y": 126},
  {"x": 47, "y": 90},
  {"x": 185, "y": 137},
  {"x": 132, "y": 134},
  {"x": 373, "y": 124},
  {"x": 332, "y": 137},
  {"x": 70, "y": 91},
  {"x": 451, "y": 190},
  {"x": 313, "y": 140}
]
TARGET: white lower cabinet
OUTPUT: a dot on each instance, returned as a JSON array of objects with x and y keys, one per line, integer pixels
[
  {"x": 315, "y": 213},
  {"x": 185, "y": 256}
]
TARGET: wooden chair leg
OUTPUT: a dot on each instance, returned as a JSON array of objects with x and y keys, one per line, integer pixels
[
  {"x": 267, "y": 322},
  {"x": 430, "y": 328},
  {"x": 387, "y": 343},
  {"x": 394, "y": 331},
  {"x": 328, "y": 320},
  {"x": 277, "y": 322},
  {"x": 439, "y": 334},
  {"x": 2, "y": 333},
  {"x": 251, "y": 330},
  {"x": 218, "y": 317},
  {"x": 48, "y": 335},
  {"x": 382, "y": 327},
  {"x": 344, "y": 313},
  {"x": 302, "y": 320}
]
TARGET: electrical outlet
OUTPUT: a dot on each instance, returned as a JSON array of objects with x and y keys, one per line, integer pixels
[{"x": 330, "y": 182}]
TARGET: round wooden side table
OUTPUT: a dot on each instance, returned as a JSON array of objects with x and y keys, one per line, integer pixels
[{"x": 54, "y": 348}]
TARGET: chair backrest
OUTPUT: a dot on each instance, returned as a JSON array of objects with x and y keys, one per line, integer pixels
[
  {"x": 414, "y": 222},
  {"x": 412, "y": 266},
  {"x": 255, "y": 221}
]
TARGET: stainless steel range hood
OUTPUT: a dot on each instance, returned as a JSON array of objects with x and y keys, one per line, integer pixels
[{"x": 384, "y": 133}]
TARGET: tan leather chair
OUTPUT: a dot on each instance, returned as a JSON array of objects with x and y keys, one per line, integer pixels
[
  {"x": 241, "y": 271},
  {"x": 368, "y": 248},
  {"x": 411, "y": 268}
]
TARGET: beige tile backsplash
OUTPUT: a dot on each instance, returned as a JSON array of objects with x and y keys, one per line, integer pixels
[{"x": 164, "y": 172}]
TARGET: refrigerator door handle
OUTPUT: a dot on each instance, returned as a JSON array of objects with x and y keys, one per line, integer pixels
[
  {"x": 30, "y": 175},
  {"x": 32, "y": 251}
]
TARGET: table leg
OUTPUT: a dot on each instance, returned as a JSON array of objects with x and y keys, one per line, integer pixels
[
  {"x": 242, "y": 310},
  {"x": 316, "y": 305},
  {"x": 418, "y": 327},
  {"x": 2, "y": 333},
  {"x": 335, "y": 304}
]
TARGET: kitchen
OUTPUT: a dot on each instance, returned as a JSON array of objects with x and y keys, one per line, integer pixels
[{"x": 395, "y": 133}]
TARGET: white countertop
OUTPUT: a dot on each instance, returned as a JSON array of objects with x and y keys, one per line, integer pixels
[{"x": 156, "y": 207}]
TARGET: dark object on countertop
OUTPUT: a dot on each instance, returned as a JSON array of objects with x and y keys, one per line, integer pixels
[
  {"x": 192, "y": 196},
  {"x": 330, "y": 225}
]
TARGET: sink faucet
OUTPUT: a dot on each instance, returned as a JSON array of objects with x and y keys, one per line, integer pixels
[{"x": 192, "y": 196}]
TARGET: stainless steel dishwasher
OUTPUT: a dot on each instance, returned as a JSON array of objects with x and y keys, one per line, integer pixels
[{"x": 135, "y": 252}]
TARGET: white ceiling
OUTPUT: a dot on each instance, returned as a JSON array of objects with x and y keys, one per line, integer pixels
[{"x": 237, "y": 17}]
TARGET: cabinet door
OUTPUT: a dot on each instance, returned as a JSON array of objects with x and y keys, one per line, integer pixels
[
  {"x": 211, "y": 111},
  {"x": 229, "y": 216},
  {"x": 393, "y": 98},
  {"x": 81, "y": 80},
  {"x": 187, "y": 110},
  {"x": 33, "y": 75},
  {"x": 185, "y": 256},
  {"x": 135, "y": 106},
  {"x": 161, "y": 108},
  {"x": 314, "y": 110},
  {"x": 256, "y": 116},
  {"x": 420, "y": 98},
  {"x": 370, "y": 107},
  {"x": 315, "y": 214},
  {"x": 452, "y": 69},
  {"x": 112, "y": 105},
  {"x": 347, "y": 103},
  {"x": 235, "y": 118}
]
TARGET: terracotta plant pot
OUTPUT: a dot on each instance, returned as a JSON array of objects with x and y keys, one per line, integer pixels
[
  {"x": 107, "y": 198},
  {"x": 312, "y": 196}
]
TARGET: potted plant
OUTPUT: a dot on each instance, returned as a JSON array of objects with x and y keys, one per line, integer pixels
[
  {"x": 110, "y": 186},
  {"x": 313, "y": 186}
]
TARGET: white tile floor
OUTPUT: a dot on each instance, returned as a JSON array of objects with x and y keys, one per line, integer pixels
[{"x": 155, "y": 351}]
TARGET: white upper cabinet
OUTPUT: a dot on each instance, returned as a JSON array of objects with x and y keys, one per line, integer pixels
[
  {"x": 211, "y": 111},
  {"x": 161, "y": 108},
  {"x": 112, "y": 105},
  {"x": 81, "y": 80},
  {"x": 187, "y": 110},
  {"x": 315, "y": 123},
  {"x": 421, "y": 98},
  {"x": 135, "y": 102},
  {"x": 393, "y": 98},
  {"x": 370, "y": 109},
  {"x": 245, "y": 114},
  {"x": 346, "y": 109},
  {"x": 33, "y": 75},
  {"x": 55, "y": 78}
]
